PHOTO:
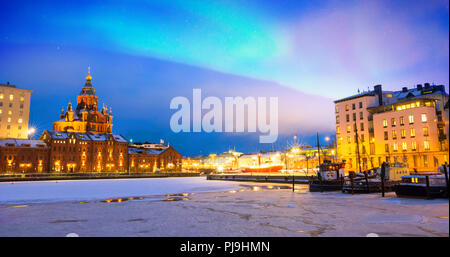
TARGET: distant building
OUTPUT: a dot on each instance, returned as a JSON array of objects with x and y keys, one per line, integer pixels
[
  {"x": 151, "y": 159},
  {"x": 410, "y": 125},
  {"x": 14, "y": 111},
  {"x": 22, "y": 155}
]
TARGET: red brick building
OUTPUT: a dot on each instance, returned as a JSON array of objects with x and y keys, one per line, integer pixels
[{"x": 21, "y": 155}]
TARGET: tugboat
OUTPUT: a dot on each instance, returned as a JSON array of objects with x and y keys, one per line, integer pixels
[
  {"x": 330, "y": 177},
  {"x": 424, "y": 185},
  {"x": 368, "y": 182}
]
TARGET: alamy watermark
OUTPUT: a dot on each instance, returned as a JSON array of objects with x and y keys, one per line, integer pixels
[{"x": 221, "y": 117}]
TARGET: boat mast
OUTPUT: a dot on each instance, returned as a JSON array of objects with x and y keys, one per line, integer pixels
[
  {"x": 318, "y": 148},
  {"x": 357, "y": 148}
]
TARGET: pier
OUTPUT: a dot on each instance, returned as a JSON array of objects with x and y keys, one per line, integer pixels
[{"x": 272, "y": 178}]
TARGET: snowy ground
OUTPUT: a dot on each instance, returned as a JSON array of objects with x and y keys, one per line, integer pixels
[{"x": 216, "y": 208}]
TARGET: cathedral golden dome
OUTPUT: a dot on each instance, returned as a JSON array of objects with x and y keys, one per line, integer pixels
[{"x": 89, "y": 77}]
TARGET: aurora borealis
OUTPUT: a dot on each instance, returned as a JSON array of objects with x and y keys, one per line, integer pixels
[{"x": 143, "y": 53}]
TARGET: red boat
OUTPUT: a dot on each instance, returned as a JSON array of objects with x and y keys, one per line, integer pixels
[{"x": 263, "y": 168}]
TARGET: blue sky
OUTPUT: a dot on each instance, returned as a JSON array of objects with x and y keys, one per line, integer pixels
[{"x": 143, "y": 53}]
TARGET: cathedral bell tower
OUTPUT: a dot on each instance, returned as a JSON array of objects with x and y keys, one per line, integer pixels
[
  {"x": 86, "y": 117},
  {"x": 87, "y": 98}
]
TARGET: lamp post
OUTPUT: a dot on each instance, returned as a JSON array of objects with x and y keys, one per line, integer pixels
[{"x": 31, "y": 132}]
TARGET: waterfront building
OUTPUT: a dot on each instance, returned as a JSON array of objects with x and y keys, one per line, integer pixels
[
  {"x": 410, "y": 126},
  {"x": 153, "y": 157},
  {"x": 23, "y": 155},
  {"x": 14, "y": 111},
  {"x": 86, "y": 152}
]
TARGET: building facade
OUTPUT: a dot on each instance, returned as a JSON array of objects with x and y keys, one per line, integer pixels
[
  {"x": 410, "y": 126},
  {"x": 23, "y": 156},
  {"x": 14, "y": 111}
]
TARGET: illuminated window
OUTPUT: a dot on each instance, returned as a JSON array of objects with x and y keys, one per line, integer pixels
[
  {"x": 20, "y": 120},
  {"x": 386, "y": 148},
  {"x": 404, "y": 146},
  {"x": 385, "y": 124},
  {"x": 395, "y": 147},
  {"x": 426, "y": 145},
  {"x": 403, "y": 133},
  {"x": 337, "y": 109},
  {"x": 11, "y": 97},
  {"x": 348, "y": 128},
  {"x": 1, "y": 96},
  {"x": 394, "y": 134},
  {"x": 22, "y": 99},
  {"x": 1, "y": 111},
  {"x": 425, "y": 131},
  {"x": 9, "y": 112},
  {"x": 411, "y": 119},
  {"x": 346, "y": 107},
  {"x": 337, "y": 119},
  {"x": 424, "y": 117},
  {"x": 338, "y": 128},
  {"x": 393, "y": 122},
  {"x": 402, "y": 121},
  {"x": 412, "y": 132},
  {"x": 9, "y": 119},
  {"x": 413, "y": 146}
]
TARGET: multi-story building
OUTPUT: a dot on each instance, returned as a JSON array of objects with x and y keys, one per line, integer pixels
[
  {"x": 394, "y": 126},
  {"x": 153, "y": 157},
  {"x": 22, "y": 155},
  {"x": 14, "y": 111}
]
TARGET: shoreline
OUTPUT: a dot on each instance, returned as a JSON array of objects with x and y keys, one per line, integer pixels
[
  {"x": 89, "y": 176},
  {"x": 251, "y": 211}
]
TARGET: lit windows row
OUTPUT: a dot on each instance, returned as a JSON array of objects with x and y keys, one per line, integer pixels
[
  {"x": 10, "y": 112},
  {"x": 11, "y": 97},
  {"x": 411, "y": 105},
  {"x": 347, "y": 107},
  {"x": 412, "y": 133},
  {"x": 10, "y": 120},
  {"x": 404, "y": 146},
  {"x": 423, "y": 118}
]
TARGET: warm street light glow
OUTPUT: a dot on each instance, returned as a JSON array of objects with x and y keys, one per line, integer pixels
[
  {"x": 327, "y": 138},
  {"x": 31, "y": 131}
]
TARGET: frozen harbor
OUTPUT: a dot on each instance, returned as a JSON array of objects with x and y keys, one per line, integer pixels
[{"x": 198, "y": 207}]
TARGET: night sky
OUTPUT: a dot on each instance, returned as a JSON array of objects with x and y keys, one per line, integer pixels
[{"x": 144, "y": 53}]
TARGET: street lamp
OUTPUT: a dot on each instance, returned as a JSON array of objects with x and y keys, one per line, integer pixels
[{"x": 30, "y": 132}]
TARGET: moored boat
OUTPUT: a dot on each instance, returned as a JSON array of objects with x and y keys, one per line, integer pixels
[
  {"x": 423, "y": 185},
  {"x": 372, "y": 182},
  {"x": 330, "y": 177}
]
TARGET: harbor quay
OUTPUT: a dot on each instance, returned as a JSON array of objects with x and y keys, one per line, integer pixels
[{"x": 153, "y": 207}]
